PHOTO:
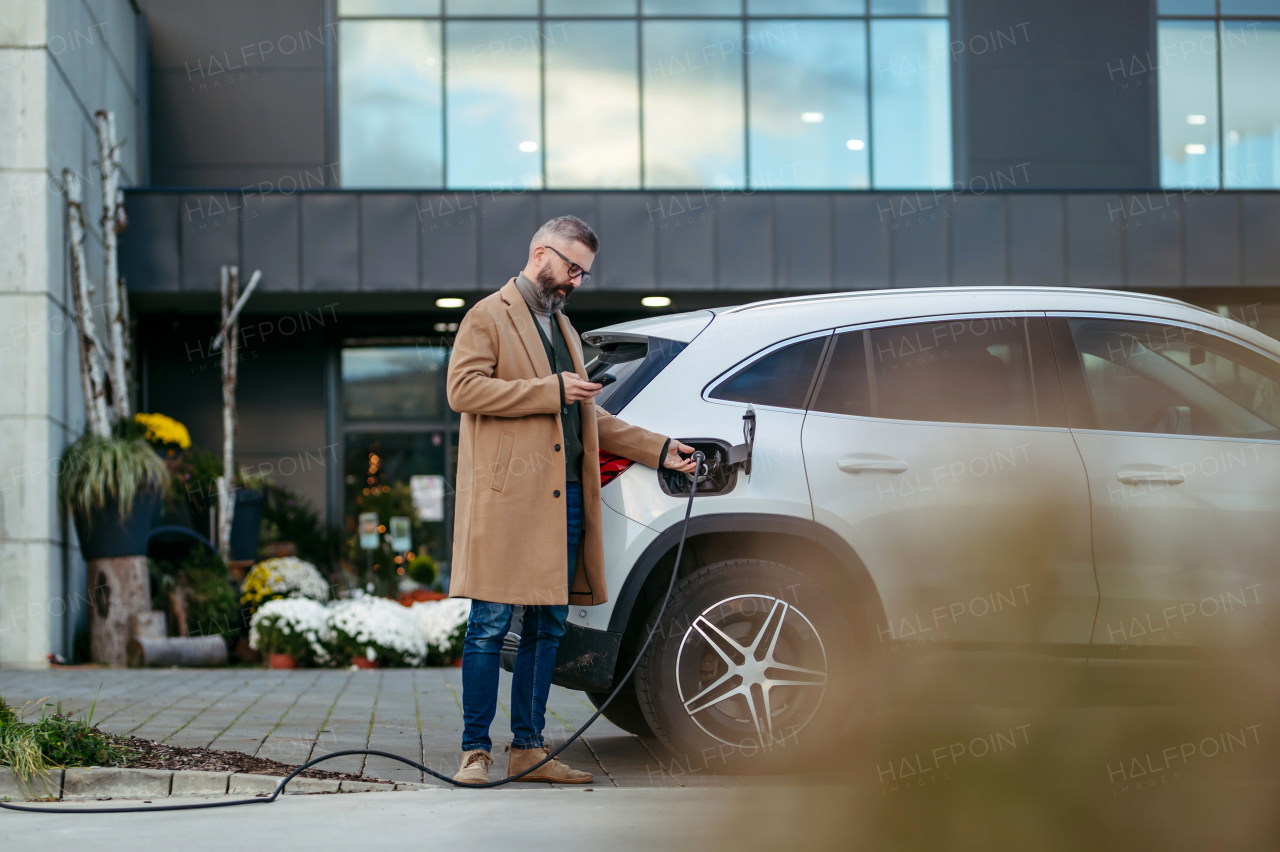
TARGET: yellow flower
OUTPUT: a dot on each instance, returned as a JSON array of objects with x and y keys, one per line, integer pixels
[{"x": 164, "y": 430}]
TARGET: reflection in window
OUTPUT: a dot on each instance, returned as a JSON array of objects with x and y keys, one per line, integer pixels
[
  {"x": 394, "y": 383},
  {"x": 808, "y": 104},
  {"x": 806, "y": 7},
  {"x": 593, "y": 104},
  {"x": 908, "y": 7},
  {"x": 590, "y": 7},
  {"x": 1188, "y": 104},
  {"x": 781, "y": 379},
  {"x": 494, "y": 122},
  {"x": 1250, "y": 104},
  {"x": 911, "y": 104},
  {"x": 505, "y": 8},
  {"x": 693, "y": 122},
  {"x": 692, "y": 7},
  {"x": 387, "y": 8},
  {"x": 389, "y": 89}
]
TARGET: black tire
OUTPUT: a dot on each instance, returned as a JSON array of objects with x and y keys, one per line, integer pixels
[
  {"x": 802, "y": 627},
  {"x": 623, "y": 711}
]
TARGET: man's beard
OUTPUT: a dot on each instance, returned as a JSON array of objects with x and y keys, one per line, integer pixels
[{"x": 551, "y": 296}]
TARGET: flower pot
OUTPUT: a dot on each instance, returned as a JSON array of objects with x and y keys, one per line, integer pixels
[
  {"x": 245, "y": 523},
  {"x": 362, "y": 662},
  {"x": 457, "y": 664},
  {"x": 106, "y": 534},
  {"x": 281, "y": 661}
]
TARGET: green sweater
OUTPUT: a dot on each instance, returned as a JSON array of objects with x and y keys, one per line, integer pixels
[{"x": 561, "y": 359}]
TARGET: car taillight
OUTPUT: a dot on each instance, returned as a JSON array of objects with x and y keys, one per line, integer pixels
[{"x": 611, "y": 467}]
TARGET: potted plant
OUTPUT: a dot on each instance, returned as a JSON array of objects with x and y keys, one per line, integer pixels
[
  {"x": 283, "y": 577},
  {"x": 292, "y": 632},
  {"x": 443, "y": 625},
  {"x": 373, "y": 632},
  {"x": 112, "y": 487}
]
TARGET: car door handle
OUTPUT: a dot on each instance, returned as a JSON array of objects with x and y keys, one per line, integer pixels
[
  {"x": 863, "y": 462},
  {"x": 1140, "y": 474}
]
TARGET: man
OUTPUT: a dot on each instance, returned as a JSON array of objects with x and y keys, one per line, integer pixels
[{"x": 529, "y": 490}]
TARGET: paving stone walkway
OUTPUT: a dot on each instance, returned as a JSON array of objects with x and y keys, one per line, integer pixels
[{"x": 295, "y": 715}]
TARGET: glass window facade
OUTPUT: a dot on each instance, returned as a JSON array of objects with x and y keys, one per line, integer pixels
[
  {"x": 631, "y": 94},
  {"x": 1219, "y": 67}
]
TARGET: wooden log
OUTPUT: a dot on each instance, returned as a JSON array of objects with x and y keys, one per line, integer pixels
[
  {"x": 150, "y": 624},
  {"x": 119, "y": 590},
  {"x": 201, "y": 651}
]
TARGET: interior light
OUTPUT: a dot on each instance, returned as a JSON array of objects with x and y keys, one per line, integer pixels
[
  {"x": 529, "y": 146},
  {"x": 450, "y": 302},
  {"x": 855, "y": 144},
  {"x": 811, "y": 117},
  {"x": 1194, "y": 148},
  {"x": 655, "y": 301},
  {"x": 1196, "y": 119}
]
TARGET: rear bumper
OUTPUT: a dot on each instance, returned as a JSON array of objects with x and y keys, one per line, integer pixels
[{"x": 585, "y": 659}]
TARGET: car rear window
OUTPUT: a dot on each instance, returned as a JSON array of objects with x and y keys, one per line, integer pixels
[
  {"x": 780, "y": 379},
  {"x": 634, "y": 363}
]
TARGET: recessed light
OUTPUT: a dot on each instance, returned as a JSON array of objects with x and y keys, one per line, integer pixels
[
  {"x": 1196, "y": 119},
  {"x": 655, "y": 301},
  {"x": 855, "y": 144},
  {"x": 450, "y": 302},
  {"x": 811, "y": 117},
  {"x": 1194, "y": 148},
  {"x": 528, "y": 147}
]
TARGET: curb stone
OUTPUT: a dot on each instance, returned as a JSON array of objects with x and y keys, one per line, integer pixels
[{"x": 104, "y": 782}]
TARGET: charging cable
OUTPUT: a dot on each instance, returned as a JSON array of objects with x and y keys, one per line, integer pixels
[{"x": 699, "y": 462}]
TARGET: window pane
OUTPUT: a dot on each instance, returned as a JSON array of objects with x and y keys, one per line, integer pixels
[
  {"x": 975, "y": 371},
  {"x": 781, "y": 379},
  {"x": 394, "y": 383},
  {"x": 1186, "y": 7},
  {"x": 495, "y": 128},
  {"x": 808, "y": 104},
  {"x": 1251, "y": 7},
  {"x": 1145, "y": 377},
  {"x": 911, "y": 104},
  {"x": 493, "y": 7},
  {"x": 380, "y": 468},
  {"x": 590, "y": 7},
  {"x": 692, "y": 7},
  {"x": 389, "y": 130},
  {"x": 593, "y": 104},
  {"x": 1188, "y": 104},
  {"x": 693, "y": 122},
  {"x": 388, "y": 8},
  {"x": 908, "y": 7},
  {"x": 806, "y": 7},
  {"x": 845, "y": 388},
  {"x": 1250, "y": 106}
]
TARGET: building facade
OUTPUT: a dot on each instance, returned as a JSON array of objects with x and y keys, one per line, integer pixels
[{"x": 384, "y": 162}]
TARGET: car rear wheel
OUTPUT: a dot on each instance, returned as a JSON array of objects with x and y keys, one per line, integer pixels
[{"x": 755, "y": 664}]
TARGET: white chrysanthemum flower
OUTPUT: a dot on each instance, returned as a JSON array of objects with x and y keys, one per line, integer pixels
[
  {"x": 440, "y": 621},
  {"x": 301, "y": 617},
  {"x": 378, "y": 628},
  {"x": 293, "y": 577}
]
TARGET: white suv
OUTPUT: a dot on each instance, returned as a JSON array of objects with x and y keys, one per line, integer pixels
[{"x": 1066, "y": 487}]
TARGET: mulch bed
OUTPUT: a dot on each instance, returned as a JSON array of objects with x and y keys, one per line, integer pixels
[{"x": 149, "y": 754}]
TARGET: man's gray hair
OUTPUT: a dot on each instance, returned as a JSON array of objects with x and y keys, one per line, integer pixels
[{"x": 567, "y": 228}]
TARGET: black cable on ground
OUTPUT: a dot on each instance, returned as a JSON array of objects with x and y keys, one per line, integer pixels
[{"x": 699, "y": 460}]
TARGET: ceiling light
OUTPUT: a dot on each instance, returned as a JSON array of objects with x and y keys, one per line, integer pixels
[
  {"x": 1196, "y": 119},
  {"x": 1195, "y": 148},
  {"x": 811, "y": 117},
  {"x": 528, "y": 147},
  {"x": 655, "y": 301},
  {"x": 855, "y": 144},
  {"x": 450, "y": 302}
]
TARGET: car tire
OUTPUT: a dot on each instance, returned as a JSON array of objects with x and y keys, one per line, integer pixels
[
  {"x": 624, "y": 712},
  {"x": 693, "y": 683}
]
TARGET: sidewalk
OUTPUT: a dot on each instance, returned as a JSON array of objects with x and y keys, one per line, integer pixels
[{"x": 295, "y": 715}]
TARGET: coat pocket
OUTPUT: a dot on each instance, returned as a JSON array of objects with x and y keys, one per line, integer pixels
[{"x": 503, "y": 463}]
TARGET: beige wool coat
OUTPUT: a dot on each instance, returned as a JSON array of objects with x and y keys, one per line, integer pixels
[{"x": 509, "y": 519}]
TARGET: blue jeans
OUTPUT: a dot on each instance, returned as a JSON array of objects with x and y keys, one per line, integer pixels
[{"x": 540, "y": 635}]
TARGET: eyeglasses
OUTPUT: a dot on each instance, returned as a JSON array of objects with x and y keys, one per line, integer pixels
[{"x": 574, "y": 269}]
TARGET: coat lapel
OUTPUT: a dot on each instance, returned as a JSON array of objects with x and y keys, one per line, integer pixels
[{"x": 522, "y": 321}]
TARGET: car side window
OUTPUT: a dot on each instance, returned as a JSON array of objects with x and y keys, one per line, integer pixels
[
  {"x": 991, "y": 370},
  {"x": 780, "y": 379},
  {"x": 1168, "y": 379}
]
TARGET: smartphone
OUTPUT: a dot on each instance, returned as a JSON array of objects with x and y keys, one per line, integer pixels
[{"x": 607, "y": 379}]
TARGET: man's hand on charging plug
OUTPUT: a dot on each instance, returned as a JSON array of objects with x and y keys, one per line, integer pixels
[
  {"x": 673, "y": 460},
  {"x": 577, "y": 389}
]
